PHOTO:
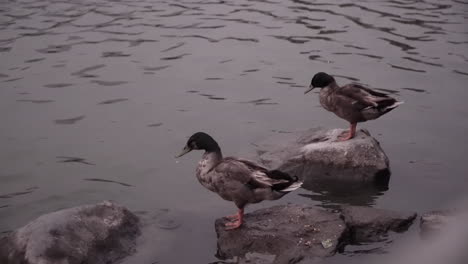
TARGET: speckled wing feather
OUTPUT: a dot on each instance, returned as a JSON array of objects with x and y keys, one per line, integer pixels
[
  {"x": 246, "y": 172},
  {"x": 361, "y": 97}
]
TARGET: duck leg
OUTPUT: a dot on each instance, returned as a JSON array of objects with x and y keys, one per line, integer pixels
[
  {"x": 232, "y": 217},
  {"x": 237, "y": 222},
  {"x": 349, "y": 134}
]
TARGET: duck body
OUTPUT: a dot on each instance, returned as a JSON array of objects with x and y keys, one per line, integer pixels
[
  {"x": 242, "y": 181},
  {"x": 352, "y": 102},
  {"x": 238, "y": 180},
  {"x": 355, "y": 103}
]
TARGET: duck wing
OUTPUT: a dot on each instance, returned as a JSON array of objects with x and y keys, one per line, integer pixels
[
  {"x": 362, "y": 97},
  {"x": 252, "y": 174}
]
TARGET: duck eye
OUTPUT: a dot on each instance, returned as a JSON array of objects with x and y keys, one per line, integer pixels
[{"x": 193, "y": 145}]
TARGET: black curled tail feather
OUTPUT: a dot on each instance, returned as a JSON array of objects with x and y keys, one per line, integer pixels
[{"x": 279, "y": 175}]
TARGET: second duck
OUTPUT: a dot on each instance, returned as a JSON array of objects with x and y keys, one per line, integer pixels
[{"x": 352, "y": 102}]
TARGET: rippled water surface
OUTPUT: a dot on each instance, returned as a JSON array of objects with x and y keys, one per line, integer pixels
[{"x": 97, "y": 97}]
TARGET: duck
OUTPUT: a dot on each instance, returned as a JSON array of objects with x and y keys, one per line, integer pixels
[
  {"x": 237, "y": 180},
  {"x": 352, "y": 102}
]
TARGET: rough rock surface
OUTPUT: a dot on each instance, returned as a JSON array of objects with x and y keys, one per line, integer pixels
[
  {"x": 94, "y": 234},
  {"x": 294, "y": 233},
  {"x": 367, "y": 224},
  {"x": 297, "y": 230},
  {"x": 317, "y": 155}
]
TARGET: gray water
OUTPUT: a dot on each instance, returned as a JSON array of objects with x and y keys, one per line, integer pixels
[{"x": 96, "y": 98}]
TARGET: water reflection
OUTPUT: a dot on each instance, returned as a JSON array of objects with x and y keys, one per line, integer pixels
[{"x": 332, "y": 194}]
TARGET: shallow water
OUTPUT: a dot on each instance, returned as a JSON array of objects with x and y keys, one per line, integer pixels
[{"x": 97, "y": 97}]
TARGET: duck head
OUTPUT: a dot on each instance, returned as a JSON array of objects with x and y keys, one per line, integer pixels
[
  {"x": 199, "y": 141},
  {"x": 320, "y": 80}
]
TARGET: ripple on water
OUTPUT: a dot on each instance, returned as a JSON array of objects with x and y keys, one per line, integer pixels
[
  {"x": 37, "y": 101},
  {"x": 114, "y": 54},
  {"x": 261, "y": 101},
  {"x": 13, "y": 194},
  {"x": 416, "y": 90},
  {"x": 34, "y": 60},
  {"x": 70, "y": 159},
  {"x": 84, "y": 72},
  {"x": 69, "y": 121},
  {"x": 405, "y": 68},
  {"x": 58, "y": 85},
  {"x": 108, "y": 181},
  {"x": 5, "y": 49},
  {"x": 108, "y": 83},
  {"x": 155, "y": 124},
  {"x": 460, "y": 72},
  {"x": 212, "y": 97},
  {"x": 176, "y": 57},
  {"x": 178, "y": 45},
  {"x": 113, "y": 101},
  {"x": 54, "y": 49}
]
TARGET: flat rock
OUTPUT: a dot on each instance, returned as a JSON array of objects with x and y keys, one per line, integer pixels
[
  {"x": 317, "y": 155},
  {"x": 95, "y": 234},
  {"x": 291, "y": 229},
  {"x": 367, "y": 224},
  {"x": 305, "y": 234}
]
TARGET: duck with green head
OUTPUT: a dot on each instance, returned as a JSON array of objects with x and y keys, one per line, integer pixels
[
  {"x": 352, "y": 102},
  {"x": 238, "y": 180}
]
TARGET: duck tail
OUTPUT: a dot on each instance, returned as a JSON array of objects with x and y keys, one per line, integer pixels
[
  {"x": 389, "y": 108},
  {"x": 394, "y": 105},
  {"x": 290, "y": 183},
  {"x": 294, "y": 186}
]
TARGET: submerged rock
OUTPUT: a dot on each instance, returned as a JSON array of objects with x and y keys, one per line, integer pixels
[
  {"x": 95, "y": 234},
  {"x": 367, "y": 224},
  {"x": 434, "y": 221},
  {"x": 316, "y": 155},
  {"x": 294, "y": 233}
]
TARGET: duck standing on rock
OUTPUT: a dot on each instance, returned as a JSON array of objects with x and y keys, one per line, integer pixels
[
  {"x": 352, "y": 102},
  {"x": 238, "y": 180}
]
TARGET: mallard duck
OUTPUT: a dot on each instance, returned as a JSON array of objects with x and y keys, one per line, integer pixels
[
  {"x": 238, "y": 180},
  {"x": 352, "y": 102}
]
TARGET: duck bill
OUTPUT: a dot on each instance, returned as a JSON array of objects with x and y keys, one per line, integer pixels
[
  {"x": 310, "y": 89},
  {"x": 184, "y": 151}
]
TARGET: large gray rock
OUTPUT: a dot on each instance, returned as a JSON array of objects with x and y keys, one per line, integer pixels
[
  {"x": 294, "y": 234},
  {"x": 284, "y": 231},
  {"x": 367, "y": 224},
  {"x": 316, "y": 155},
  {"x": 93, "y": 234}
]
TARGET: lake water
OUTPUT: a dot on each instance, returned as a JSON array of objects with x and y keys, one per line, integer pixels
[{"x": 96, "y": 98}]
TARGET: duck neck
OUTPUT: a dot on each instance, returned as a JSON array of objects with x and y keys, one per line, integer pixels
[
  {"x": 333, "y": 86},
  {"x": 210, "y": 159}
]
